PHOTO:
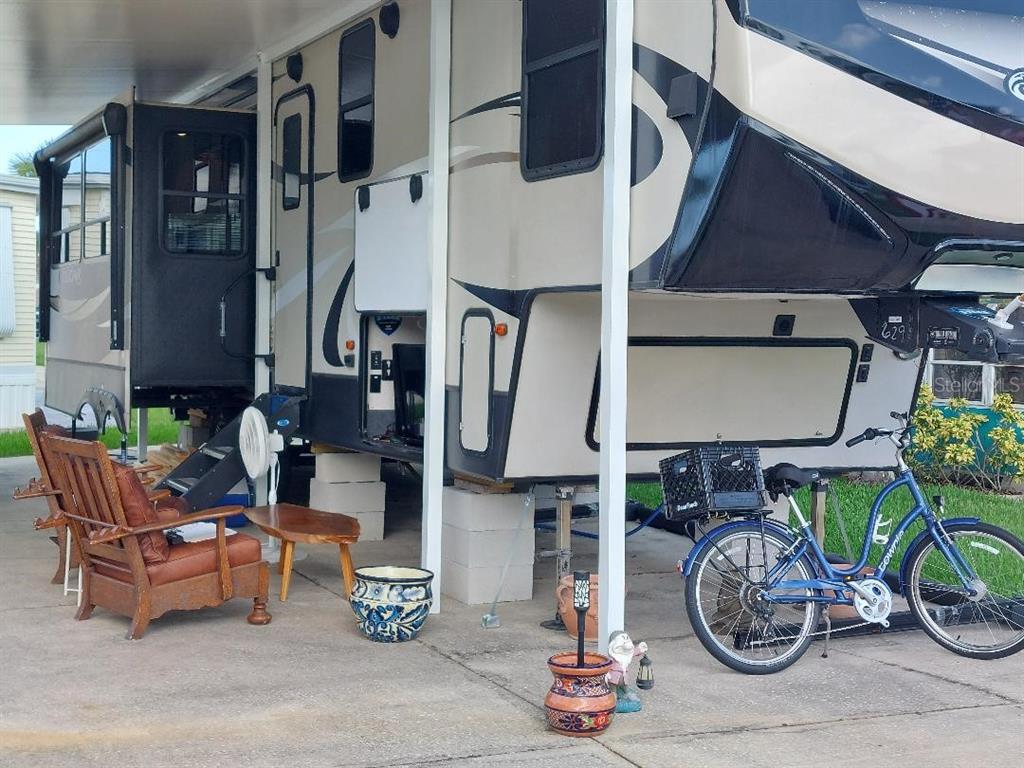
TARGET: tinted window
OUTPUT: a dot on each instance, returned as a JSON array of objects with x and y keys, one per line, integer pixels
[
  {"x": 202, "y": 162},
  {"x": 291, "y": 162},
  {"x": 563, "y": 86},
  {"x": 1010, "y": 381},
  {"x": 966, "y": 381},
  {"x": 202, "y": 192},
  {"x": 554, "y": 26},
  {"x": 197, "y": 225},
  {"x": 355, "y": 102}
]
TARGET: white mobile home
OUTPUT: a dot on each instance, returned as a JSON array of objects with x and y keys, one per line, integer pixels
[
  {"x": 458, "y": 205},
  {"x": 18, "y": 197}
]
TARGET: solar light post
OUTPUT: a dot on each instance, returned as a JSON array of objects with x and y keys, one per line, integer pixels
[{"x": 581, "y": 602}]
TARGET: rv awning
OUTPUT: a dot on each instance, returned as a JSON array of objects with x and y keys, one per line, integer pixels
[{"x": 966, "y": 327}]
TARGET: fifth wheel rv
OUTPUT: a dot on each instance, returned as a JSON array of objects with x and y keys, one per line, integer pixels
[
  {"x": 808, "y": 216},
  {"x": 819, "y": 194}
]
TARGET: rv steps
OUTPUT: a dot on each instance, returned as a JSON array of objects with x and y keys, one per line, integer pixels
[
  {"x": 180, "y": 485},
  {"x": 216, "y": 467},
  {"x": 216, "y": 452}
]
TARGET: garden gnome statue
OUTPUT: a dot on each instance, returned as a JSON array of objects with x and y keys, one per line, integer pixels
[{"x": 622, "y": 652}]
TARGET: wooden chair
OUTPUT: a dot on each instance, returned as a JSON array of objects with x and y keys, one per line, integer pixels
[
  {"x": 35, "y": 427},
  {"x": 129, "y": 568}
]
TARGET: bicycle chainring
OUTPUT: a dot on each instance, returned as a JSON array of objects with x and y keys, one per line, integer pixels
[{"x": 876, "y": 612}]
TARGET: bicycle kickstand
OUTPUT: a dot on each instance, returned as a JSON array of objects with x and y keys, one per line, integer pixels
[{"x": 828, "y": 632}]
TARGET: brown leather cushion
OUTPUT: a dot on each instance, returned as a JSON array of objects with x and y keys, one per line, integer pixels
[
  {"x": 170, "y": 508},
  {"x": 139, "y": 510},
  {"x": 187, "y": 560}
]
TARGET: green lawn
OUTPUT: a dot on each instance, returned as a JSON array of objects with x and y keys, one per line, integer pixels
[
  {"x": 855, "y": 500},
  {"x": 162, "y": 429},
  {"x": 40, "y": 353}
]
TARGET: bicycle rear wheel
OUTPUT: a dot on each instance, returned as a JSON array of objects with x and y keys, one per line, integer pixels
[
  {"x": 987, "y": 625},
  {"x": 726, "y": 606}
]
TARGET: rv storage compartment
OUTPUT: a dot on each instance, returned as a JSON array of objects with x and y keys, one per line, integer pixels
[{"x": 712, "y": 479}]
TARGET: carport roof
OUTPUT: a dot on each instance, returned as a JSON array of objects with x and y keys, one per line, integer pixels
[{"x": 61, "y": 59}]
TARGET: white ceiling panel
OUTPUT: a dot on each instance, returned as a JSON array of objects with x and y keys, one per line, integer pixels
[{"x": 61, "y": 59}]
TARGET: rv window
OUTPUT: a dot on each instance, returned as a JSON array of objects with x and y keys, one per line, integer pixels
[
  {"x": 201, "y": 192},
  {"x": 355, "y": 101},
  {"x": 82, "y": 193},
  {"x": 291, "y": 162},
  {"x": 563, "y": 87}
]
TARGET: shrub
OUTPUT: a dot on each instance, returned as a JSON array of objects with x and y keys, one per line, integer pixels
[{"x": 964, "y": 445}]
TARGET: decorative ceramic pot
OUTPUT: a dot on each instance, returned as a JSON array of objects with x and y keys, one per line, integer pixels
[
  {"x": 391, "y": 602},
  {"x": 580, "y": 703}
]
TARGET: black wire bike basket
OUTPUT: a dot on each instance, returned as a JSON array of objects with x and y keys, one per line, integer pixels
[{"x": 712, "y": 479}]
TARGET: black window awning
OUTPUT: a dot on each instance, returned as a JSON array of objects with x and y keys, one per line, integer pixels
[{"x": 967, "y": 327}]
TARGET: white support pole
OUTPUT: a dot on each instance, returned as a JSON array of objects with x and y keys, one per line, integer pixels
[
  {"x": 433, "y": 443},
  {"x": 614, "y": 317},
  {"x": 264, "y": 215}
]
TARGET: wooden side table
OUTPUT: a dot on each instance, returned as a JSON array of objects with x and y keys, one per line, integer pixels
[{"x": 291, "y": 523}]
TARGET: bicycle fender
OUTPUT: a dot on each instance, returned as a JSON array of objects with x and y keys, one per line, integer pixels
[
  {"x": 951, "y": 523},
  {"x": 705, "y": 542}
]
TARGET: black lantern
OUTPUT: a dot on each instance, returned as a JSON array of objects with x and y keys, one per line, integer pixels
[
  {"x": 581, "y": 602},
  {"x": 645, "y": 674}
]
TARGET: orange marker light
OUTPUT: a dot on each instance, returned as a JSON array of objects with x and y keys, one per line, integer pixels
[
  {"x": 501, "y": 329},
  {"x": 350, "y": 345}
]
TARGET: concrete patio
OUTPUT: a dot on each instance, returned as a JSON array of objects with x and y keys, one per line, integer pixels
[{"x": 207, "y": 689}]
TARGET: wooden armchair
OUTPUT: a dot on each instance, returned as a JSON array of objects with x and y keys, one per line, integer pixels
[
  {"x": 127, "y": 565},
  {"x": 35, "y": 427}
]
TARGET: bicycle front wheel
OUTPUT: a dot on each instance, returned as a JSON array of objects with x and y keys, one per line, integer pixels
[
  {"x": 727, "y": 606},
  {"x": 988, "y": 624}
]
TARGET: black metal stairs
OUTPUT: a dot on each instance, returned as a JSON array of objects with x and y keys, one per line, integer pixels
[{"x": 216, "y": 466}]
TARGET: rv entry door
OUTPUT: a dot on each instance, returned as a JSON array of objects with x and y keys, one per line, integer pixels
[{"x": 293, "y": 175}]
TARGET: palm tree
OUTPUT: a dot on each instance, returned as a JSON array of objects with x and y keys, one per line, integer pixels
[{"x": 21, "y": 164}]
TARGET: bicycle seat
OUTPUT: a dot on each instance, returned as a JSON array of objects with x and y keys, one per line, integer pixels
[{"x": 783, "y": 478}]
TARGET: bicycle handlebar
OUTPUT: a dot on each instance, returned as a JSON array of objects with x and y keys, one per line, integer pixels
[{"x": 871, "y": 433}]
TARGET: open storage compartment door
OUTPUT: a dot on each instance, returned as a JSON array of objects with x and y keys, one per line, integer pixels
[
  {"x": 391, "y": 245},
  {"x": 81, "y": 266}
]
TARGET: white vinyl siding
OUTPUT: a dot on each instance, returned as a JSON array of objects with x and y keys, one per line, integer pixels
[
  {"x": 7, "y": 319},
  {"x": 19, "y": 346}
]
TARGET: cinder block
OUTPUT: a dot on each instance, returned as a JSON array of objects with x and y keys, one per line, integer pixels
[
  {"x": 484, "y": 511},
  {"x": 477, "y": 586},
  {"x": 347, "y": 467},
  {"x": 192, "y": 437},
  {"x": 346, "y": 498},
  {"x": 476, "y": 549},
  {"x": 371, "y": 525}
]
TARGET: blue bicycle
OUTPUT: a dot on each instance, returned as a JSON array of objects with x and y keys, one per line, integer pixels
[{"x": 755, "y": 588}]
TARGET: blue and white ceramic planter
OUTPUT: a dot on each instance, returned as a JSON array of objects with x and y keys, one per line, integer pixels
[{"x": 391, "y": 602}]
